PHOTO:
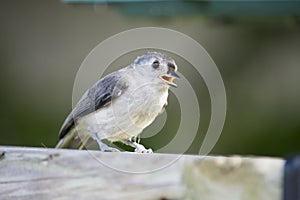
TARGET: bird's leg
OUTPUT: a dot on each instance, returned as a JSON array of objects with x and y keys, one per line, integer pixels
[
  {"x": 138, "y": 147},
  {"x": 102, "y": 145}
]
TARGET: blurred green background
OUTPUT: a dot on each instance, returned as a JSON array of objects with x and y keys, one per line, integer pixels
[{"x": 44, "y": 42}]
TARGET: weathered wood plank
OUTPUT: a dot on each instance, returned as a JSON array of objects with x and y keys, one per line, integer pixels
[{"x": 35, "y": 173}]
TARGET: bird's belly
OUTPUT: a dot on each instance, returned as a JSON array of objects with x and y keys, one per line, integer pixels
[{"x": 127, "y": 117}]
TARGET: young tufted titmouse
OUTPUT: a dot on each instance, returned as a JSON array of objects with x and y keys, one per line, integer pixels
[{"x": 120, "y": 105}]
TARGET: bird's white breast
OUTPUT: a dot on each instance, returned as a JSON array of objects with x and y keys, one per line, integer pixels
[{"x": 127, "y": 115}]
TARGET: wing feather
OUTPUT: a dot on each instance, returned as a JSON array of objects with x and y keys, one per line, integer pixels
[{"x": 98, "y": 96}]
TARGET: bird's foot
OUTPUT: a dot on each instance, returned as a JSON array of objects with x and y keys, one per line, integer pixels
[
  {"x": 104, "y": 147},
  {"x": 138, "y": 148},
  {"x": 141, "y": 149}
]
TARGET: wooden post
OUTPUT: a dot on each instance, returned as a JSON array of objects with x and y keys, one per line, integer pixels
[{"x": 40, "y": 173}]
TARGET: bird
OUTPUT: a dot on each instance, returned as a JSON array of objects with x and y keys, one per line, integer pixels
[{"x": 119, "y": 106}]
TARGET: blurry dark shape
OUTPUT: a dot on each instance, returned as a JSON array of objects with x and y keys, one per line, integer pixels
[
  {"x": 206, "y": 7},
  {"x": 297, "y": 19},
  {"x": 2, "y": 155},
  {"x": 226, "y": 20},
  {"x": 292, "y": 179}
]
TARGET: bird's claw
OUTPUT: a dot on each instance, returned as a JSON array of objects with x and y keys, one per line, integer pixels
[{"x": 141, "y": 149}]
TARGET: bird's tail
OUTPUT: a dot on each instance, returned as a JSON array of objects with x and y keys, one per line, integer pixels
[{"x": 74, "y": 140}]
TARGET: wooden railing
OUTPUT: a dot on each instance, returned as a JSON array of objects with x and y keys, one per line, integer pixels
[{"x": 40, "y": 173}]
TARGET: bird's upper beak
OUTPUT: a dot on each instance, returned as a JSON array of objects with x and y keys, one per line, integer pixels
[{"x": 169, "y": 77}]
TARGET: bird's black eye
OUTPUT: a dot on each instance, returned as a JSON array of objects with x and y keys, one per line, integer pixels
[{"x": 155, "y": 64}]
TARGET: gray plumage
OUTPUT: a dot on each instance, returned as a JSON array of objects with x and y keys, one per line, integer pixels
[
  {"x": 119, "y": 106},
  {"x": 96, "y": 97}
]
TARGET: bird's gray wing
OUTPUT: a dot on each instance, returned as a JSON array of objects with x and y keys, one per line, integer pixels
[{"x": 98, "y": 96}]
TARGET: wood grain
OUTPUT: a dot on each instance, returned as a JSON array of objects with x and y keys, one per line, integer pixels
[{"x": 40, "y": 173}]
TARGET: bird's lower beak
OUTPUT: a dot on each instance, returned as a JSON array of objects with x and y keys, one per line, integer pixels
[{"x": 169, "y": 78}]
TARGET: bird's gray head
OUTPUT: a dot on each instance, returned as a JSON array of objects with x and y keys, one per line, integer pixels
[{"x": 156, "y": 67}]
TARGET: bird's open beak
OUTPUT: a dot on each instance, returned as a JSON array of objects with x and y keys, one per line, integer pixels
[{"x": 169, "y": 78}]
